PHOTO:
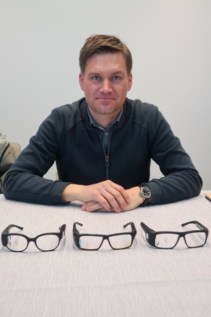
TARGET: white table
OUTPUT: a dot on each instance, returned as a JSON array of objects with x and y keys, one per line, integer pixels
[{"x": 140, "y": 281}]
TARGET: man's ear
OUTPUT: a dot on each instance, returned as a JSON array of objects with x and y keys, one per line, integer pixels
[
  {"x": 130, "y": 81},
  {"x": 81, "y": 80}
]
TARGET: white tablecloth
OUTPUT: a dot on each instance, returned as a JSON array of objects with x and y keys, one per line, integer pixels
[{"x": 140, "y": 281}]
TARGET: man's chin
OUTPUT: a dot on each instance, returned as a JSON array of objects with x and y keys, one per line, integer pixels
[
  {"x": 105, "y": 103},
  {"x": 106, "y": 109}
]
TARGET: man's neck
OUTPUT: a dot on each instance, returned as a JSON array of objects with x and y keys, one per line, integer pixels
[{"x": 104, "y": 120}]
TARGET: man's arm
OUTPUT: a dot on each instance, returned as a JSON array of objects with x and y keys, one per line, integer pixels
[
  {"x": 25, "y": 180},
  {"x": 180, "y": 178}
]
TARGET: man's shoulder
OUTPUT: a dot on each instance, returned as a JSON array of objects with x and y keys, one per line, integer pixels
[
  {"x": 69, "y": 113},
  {"x": 70, "y": 108},
  {"x": 142, "y": 110},
  {"x": 65, "y": 116},
  {"x": 140, "y": 106}
]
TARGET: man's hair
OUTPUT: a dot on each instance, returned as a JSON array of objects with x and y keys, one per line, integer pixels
[{"x": 100, "y": 44}]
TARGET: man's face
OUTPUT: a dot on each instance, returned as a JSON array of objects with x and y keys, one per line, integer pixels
[{"x": 105, "y": 83}]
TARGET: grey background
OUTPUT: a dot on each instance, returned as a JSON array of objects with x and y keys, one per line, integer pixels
[{"x": 171, "y": 45}]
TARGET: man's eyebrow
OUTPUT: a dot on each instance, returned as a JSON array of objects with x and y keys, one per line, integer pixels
[
  {"x": 93, "y": 74},
  {"x": 99, "y": 73},
  {"x": 117, "y": 72}
]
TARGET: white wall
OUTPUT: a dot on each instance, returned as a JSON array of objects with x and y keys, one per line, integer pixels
[{"x": 171, "y": 45}]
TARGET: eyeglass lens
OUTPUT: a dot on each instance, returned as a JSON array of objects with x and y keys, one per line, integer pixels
[
  {"x": 47, "y": 242},
  {"x": 195, "y": 239},
  {"x": 94, "y": 242},
  {"x": 17, "y": 243},
  {"x": 44, "y": 243},
  {"x": 169, "y": 240}
]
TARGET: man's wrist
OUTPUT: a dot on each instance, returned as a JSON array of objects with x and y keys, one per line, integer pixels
[{"x": 71, "y": 192}]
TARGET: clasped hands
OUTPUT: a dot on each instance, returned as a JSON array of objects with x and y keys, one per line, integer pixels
[{"x": 103, "y": 196}]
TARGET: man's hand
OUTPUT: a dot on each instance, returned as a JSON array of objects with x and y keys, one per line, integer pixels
[
  {"x": 135, "y": 200},
  {"x": 105, "y": 195}
]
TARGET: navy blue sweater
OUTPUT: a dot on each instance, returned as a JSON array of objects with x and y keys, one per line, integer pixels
[{"x": 68, "y": 138}]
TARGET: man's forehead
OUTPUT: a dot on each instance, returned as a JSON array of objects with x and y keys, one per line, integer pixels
[{"x": 112, "y": 62}]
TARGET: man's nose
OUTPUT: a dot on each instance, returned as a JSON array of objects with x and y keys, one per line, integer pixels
[{"x": 106, "y": 86}]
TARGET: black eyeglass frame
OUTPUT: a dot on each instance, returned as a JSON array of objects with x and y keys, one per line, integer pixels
[
  {"x": 150, "y": 234},
  {"x": 77, "y": 236},
  {"x": 6, "y": 234}
]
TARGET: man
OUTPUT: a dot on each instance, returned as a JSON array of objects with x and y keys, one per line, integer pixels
[
  {"x": 8, "y": 154},
  {"x": 103, "y": 144}
]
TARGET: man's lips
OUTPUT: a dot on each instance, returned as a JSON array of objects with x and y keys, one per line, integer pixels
[{"x": 105, "y": 98}]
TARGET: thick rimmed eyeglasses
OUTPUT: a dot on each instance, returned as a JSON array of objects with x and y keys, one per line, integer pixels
[
  {"x": 93, "y": 242},
  {"x": 169, "y": 239},
  {"x": 18, "y": 242}
]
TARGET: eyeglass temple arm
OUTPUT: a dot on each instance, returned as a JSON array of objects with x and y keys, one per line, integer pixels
[
  {"x": 146, "y": 228},
  {"x": 7, "y": 229},
  {"x": 132, "y": 226},
  {"x": 63, "y": 229},
  {"x": 74, "y": 226},
  {"x": 197, "y": 223}
]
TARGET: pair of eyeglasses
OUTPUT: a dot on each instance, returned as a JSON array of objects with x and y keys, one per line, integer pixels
[
  {"x": 18, "y": 242},
  {"x": 93, "y": 242},
  {"x": 169, "y": 239}
]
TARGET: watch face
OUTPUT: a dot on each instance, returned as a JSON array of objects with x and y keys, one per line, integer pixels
[{"x": 146, "y": 192}]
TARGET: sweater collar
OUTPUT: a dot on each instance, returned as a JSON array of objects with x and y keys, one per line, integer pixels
[
  {"x": 123, "y": 117},
  {"x": 110, "y": 126}
]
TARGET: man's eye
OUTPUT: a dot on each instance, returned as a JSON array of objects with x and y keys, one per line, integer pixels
[
  {"x": 95, "y": 78},
  {"x": 116, "y": 78}
]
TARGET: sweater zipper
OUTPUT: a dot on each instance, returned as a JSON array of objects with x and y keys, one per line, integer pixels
[
  {"x": 106, "y": 164},
  {"x": 106, "y": 156}
]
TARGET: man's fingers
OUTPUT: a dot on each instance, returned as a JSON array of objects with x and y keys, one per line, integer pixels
[
  {"x": 112, "y": 197},
  {"x": 90, "y": 206},
  {"x": 105, "y": 195},
  {"x": 117, "y": 191},
  {"x": 94, "y": 207}
]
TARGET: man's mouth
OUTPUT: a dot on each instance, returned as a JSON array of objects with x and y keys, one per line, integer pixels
[{"x": 106, "y": 98}]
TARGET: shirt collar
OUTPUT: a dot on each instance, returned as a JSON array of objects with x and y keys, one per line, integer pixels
[{"x": 95, "y": 124}]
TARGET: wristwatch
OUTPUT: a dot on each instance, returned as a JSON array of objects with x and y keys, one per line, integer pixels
[{"x": 146, "y": 194}]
